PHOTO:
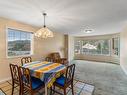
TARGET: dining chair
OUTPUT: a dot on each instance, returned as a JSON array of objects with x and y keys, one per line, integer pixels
[
  {"x": 15, "y": 78},
  {"x": 26, "y": 60},
  {"x": 55, "y": 57},
  {"x": 29, "y": 84},
  {"x": 65, "y": 81},
  {"x": 48, "y": 59}
]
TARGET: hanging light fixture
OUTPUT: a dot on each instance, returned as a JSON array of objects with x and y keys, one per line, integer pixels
[{"x": 44, "y": 32}]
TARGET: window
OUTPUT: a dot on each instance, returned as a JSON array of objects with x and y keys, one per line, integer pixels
[
  {"x": 92, "y": 47},
  {"x": 77, "y": 47},
  {"x": 115, "y": 46},
  {"x": 19, "y": 43}
]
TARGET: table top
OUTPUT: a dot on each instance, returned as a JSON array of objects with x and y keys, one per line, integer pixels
[{"x": 45, "y": 70}]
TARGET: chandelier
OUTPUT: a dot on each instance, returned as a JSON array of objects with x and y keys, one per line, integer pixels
[{"x": 44, "y": 32}]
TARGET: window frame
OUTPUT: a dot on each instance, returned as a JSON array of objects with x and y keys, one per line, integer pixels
[
  {"x": 118, "y": 37},
  {"x": 81, "y": 51},
  {"x": 32, "y": 43}
]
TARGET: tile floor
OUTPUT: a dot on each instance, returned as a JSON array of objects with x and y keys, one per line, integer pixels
[{"x": 80, "y": 88}]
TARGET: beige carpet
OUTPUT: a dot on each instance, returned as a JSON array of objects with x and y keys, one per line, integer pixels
[{"x": 108, "y": 79}]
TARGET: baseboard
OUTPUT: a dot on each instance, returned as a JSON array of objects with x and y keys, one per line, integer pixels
[{"x": 6, "y": 79}]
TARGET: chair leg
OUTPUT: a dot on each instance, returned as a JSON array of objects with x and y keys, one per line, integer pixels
[
  {"x": 65, "y": 91},
  {"x": 21, "y": 90},
  {"x": 72, "y": 88},
  {"x": 12, "y": 88},
  {"x": 50, "y": 90},
  {"x": 31, "y": 93},
  {"x": 54, "y": 88}
]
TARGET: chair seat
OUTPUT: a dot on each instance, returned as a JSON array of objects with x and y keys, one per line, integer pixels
[
  {"x": 60, "y": 81},
  {"x": 36, "y": 83}
]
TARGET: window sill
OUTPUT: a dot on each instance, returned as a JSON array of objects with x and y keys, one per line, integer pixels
[{"x": 94, "y": 54}]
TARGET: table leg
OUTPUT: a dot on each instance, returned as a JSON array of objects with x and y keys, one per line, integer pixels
[{"x": 46, "y": 90}]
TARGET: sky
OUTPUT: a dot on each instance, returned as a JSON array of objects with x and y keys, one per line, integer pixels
[{"x": 18, "y": 35}]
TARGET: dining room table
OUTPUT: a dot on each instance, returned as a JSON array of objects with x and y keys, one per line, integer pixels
[{"x": 46, "y": 71}]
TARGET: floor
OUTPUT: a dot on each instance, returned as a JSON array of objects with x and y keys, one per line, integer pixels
[
  {"x": 80, "y": 88},
  {"x": 108, "y": 79}
]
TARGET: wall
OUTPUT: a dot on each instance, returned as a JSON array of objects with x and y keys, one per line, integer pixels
[
  {"x": 102, "y": 58},
  {"x": 70, "y": 48},
  {"x": 66, "y": 47},
  {"x": 42, "y": 47},
  {"x": 123, "y": 49}
]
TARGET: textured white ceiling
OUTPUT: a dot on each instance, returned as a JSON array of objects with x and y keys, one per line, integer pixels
[{"x": 69, "y": 16}]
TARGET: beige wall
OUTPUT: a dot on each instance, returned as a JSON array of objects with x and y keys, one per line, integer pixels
[
  {"x": 123, "y": 49},
  {"x": 42, "y": 47},
  {"x": 70, "y": 48},
  {"x": 66, "y": 46},
  {"x": 110, "y": 58}
]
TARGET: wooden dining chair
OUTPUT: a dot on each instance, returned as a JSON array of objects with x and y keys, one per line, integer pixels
[
  {"x": 55, "y": 57},
  {"x": 65, "y": 81},
  {"x": 26, "y": 60},
  {"x": 15, "y": 78},
  {"x": 48, "y": 59},
  {"x": 29, "y": 84}
]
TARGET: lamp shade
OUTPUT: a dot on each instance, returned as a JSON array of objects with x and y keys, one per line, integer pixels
[{"x": 44, "y": 33}]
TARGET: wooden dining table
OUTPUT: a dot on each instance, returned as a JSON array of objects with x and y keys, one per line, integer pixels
[{"x": 46, "y": 71}]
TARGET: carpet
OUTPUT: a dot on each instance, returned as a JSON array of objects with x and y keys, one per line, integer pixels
[{"x": 108, "y": 79}]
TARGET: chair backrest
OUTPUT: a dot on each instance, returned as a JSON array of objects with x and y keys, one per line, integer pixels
[
  {"x": 26, "y": 60},
  {"x": 48, "y": 59},
  {"x": 70, "y": 73},
  {"x": 55, "y": 55},
  {"x": 25, "y": 78},
  {"x": 15, "y": 73}
]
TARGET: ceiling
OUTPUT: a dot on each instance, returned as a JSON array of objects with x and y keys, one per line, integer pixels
[{"x": 69, "y": 16}]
